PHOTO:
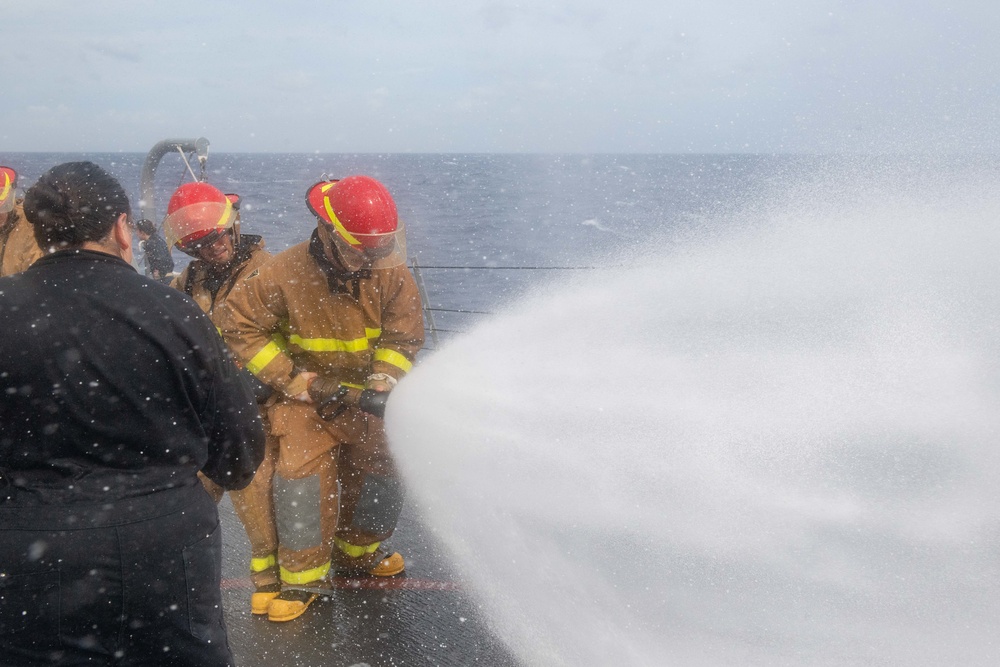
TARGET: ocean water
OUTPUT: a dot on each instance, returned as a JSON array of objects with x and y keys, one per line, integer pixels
[
  {"x": 695, "y": 410},
  {"x": 485, "y": 214}
]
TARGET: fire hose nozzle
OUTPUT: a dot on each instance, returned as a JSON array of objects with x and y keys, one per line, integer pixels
[
  {"x": 373, "y": 402},
  {"x": 332, "y": 398}
]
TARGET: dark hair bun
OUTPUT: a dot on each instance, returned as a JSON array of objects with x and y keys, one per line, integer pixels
[
  {"x": 74, "y": 203},
  {"x": 42, "y": 201}
]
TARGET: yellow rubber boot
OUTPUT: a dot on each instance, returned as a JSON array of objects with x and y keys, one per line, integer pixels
[
  {"x": 261, "y": 598},
  {"x": 289, "y": 605},
  {"x": 371, "y": 560},
  {"x": 389, "y": 566}
]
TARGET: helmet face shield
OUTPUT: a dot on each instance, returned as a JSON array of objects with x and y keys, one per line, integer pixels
[
  {"x": 8, "y": 182},
  {"x": 196, "y": 212},
  {"x": 372, "y": 251},
  {"x": 384, "y": 251},
  {"x": 195, "y": 243}
]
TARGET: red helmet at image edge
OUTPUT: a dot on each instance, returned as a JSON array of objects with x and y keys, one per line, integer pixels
[
  {"x": 359, "y": 208},
  {"x": 8, "y": 182}
]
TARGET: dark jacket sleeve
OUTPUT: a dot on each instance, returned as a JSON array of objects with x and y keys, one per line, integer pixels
[
  {"x": 158, "y": 255},
  {"x": 232, "y": 422}
]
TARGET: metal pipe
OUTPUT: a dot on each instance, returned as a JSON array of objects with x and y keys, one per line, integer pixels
[{"x": 147, "y": 203}]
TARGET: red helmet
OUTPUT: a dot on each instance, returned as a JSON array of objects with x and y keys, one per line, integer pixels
[
  {"x": 360, "y": 209},
  {"x": 8, "y": 181},
  {"x": 197, "y": 215}
]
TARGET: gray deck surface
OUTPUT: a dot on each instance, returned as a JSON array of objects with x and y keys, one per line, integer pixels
[{"x": 419, "y": 618}]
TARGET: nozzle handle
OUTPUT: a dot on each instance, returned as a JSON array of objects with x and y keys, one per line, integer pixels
[{"x": 373, "y": 402}]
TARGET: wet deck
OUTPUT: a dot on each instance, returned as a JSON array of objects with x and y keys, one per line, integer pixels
[{"x": 420, "y": 618}]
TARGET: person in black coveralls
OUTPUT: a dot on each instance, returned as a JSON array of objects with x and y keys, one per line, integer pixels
[
  {"x": 159, "y": 263},
  {"x": 116, "y": 391}
]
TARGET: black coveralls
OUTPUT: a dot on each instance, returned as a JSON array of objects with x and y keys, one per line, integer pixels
[
  {"x": 114, "y": 391},
  {"x": 158, "y": 257}
]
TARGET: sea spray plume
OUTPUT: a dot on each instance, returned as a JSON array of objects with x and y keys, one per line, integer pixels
[{"x": 771, "y": 445}]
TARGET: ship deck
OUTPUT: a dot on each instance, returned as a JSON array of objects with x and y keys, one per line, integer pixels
[{"x": 422, "y": 617}]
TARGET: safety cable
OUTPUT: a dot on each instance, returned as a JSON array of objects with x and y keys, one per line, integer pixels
[
  {"x": 429, "y": 310},
  {"x": 188, "y": 164}
]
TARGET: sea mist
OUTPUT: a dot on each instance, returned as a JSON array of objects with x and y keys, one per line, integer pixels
[{"x": 772, "y": 439}]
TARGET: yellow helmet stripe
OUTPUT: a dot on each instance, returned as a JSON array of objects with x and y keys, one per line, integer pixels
[
  {"x": 337, "y": 224},
  {"x": 226, "y": 212},
  {"x": 6, "y": 187}
]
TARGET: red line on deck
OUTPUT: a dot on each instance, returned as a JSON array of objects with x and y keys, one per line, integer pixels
[{"x": 366, "y": 583}]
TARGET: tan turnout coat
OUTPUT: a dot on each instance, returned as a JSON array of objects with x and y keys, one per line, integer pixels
[
  {"x": 375, "y": 326},
  {"x": 18, "y": 248},
  {"x": 192, "y": 280}
]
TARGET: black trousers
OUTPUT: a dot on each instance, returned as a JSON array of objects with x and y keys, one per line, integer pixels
[{"x": 135, "y": 582}]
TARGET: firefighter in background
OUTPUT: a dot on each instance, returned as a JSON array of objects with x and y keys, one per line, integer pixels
[
  {"x": 155, "y": 251},
  {"x": 18, "y": 248},
  {"x": 205, "y": 224},
  {"x": 350, "y": 312}
]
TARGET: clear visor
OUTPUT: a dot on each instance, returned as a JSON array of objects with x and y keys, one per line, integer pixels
[
  {"x": 6, "y": 193},
  {"x": 374, "y": 251},
  {"x": 198, "y": 219},
  {"x": 195, "y": 246}
]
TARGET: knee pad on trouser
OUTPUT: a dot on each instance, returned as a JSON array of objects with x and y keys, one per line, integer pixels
[
  {"x": 298, "y": 512},
  {"x": 378, "y": 506}
]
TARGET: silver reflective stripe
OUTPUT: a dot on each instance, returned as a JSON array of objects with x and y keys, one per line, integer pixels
[
  {"x": 378, "y": 506},
  {"x": 297, "y": 510}
]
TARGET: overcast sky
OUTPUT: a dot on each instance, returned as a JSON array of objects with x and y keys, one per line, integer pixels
[{"x": 578, "y": 76}]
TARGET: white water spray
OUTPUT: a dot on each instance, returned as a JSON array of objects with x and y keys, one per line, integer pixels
[{"x": 776, "y": 446}]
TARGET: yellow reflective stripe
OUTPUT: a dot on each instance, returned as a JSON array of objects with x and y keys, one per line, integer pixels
[
  {"x": 6, "y": 187},
  {"x": 394, "y": 358},
  {"x": 351, "y": 384},
  {"x": 337, "y": 224},
  {"x": 225, "y": 213},
  {"x": 355, "y": 551},
  {"x": 263, "y": 358},
  {"x": 329, "y": 344},
  {"x": 261, "y": 564},
  {"x": 305, "y": 576}
]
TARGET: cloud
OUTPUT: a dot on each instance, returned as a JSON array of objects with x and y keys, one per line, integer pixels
[
  {"x": 126, "y": 53},
  {"x": 579, "y": 76}
]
